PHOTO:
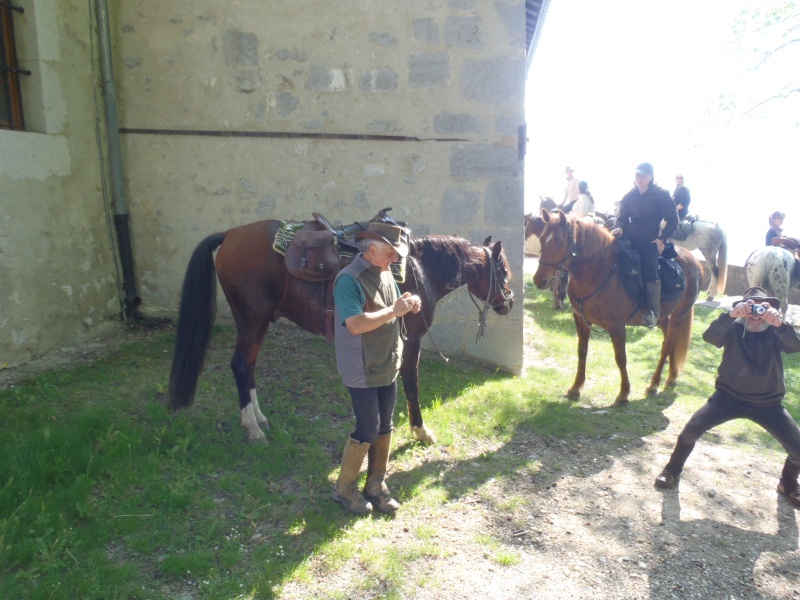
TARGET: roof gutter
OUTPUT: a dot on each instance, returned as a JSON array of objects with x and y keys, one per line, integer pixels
[{"x": 131, "y": 300}]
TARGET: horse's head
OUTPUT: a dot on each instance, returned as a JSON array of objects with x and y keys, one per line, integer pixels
[
  {"x": 546, "y": 203},
  {"x": 557, "y": 250},
  {"x": 533, "y": 225},
  {"x": 492, "y": 286}
]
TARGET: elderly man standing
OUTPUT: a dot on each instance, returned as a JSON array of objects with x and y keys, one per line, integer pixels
[
  {"x": 367, "y": 318},
  {"x": 640, "y": 214}
]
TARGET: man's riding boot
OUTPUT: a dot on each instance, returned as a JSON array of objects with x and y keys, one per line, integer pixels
[
  {"x": 653, "y": 311},
  {"x": 346, "y": 489},
  {"x": 376, "y": 491},
  {"x": 788, "y": 485},
  {"x": 669, "y": 476}
]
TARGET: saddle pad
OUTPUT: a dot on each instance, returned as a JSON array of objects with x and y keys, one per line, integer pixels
[{"x": 284, "y": 235}]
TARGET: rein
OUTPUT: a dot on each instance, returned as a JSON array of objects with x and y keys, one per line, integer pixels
[
  {"x": 422, "y": 314},
  {"x": 493, "y": 283}
]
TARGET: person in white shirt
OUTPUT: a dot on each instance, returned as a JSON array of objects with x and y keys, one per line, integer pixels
[{"x": 584, "y": 205}]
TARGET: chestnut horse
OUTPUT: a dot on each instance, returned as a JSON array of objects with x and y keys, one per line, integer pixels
[
  {"x": 260, "y": 290},
  {"x": 590, "y": 255}
]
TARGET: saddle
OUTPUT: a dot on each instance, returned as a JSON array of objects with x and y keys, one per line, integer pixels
[
  {"x": 793, "y": 246},
  {"x": 684, "y": 228},
  {"x": 670, "y": 272},
  {"x": 317, "y": 252}
]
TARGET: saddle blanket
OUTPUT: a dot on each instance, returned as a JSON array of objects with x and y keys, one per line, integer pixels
[{"x": 284, "y": 235}]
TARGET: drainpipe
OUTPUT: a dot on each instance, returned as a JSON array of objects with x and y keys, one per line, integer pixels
[{"x": 132, "y": 300}]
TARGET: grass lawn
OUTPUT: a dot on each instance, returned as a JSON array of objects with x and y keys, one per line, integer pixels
[{"x": 104, "y": 494}]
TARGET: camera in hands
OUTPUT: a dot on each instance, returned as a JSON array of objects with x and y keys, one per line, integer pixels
[{"x": 757, "y": 309}]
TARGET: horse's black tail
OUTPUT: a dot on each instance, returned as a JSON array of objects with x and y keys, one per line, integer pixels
[{"x": 196, "y": 315}]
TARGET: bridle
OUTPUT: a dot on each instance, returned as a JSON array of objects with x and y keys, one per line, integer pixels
[
  {"x": 495, "y": 284},
  {"x": 569, "y": 254}
]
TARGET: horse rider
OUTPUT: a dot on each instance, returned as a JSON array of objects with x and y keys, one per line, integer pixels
[
  {"x": 641, "y": 211},
  {"x": 367, "y": 318},
  {"x": 681, "y": 197},
  {"x": 571, "y": 190},
  {"x": 750, "y": 385}
]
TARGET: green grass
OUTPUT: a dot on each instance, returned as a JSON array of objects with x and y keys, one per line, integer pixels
[{"x": 105, "y": 494}]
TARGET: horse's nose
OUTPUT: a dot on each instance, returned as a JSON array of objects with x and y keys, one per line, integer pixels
[{"x": 541, "y": 283}]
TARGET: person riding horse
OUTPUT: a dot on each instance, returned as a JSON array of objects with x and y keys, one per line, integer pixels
[{"x": 641, "y": 211}]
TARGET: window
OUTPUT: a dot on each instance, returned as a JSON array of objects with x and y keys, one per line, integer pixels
[{"x": 10, "y": 95}]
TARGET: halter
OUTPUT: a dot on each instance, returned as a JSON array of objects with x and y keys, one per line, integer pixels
[{"x": 494, "y": 283}]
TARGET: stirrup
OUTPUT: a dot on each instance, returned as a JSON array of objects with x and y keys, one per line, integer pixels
[{"x": 650, "y": 320}]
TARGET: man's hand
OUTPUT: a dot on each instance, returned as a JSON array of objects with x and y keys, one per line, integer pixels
[
  {"x": 616, "y": 232},
  {"x": 659, "y": 244},
  {"x": 743, "y": 310},
  {"x": 408, "y": 302}
]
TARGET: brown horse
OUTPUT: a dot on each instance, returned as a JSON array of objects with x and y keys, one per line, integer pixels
[
  {"x": 260, "y": 290},
  {"x": 590, "y": 255}
]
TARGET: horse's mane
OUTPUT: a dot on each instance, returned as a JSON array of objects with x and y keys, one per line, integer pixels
[
  {"x": 453, "y": 258},
  {"x": 591, "y": 238}
]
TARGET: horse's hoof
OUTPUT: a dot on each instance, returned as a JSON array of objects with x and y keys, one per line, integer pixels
[
  {"x": 573, "y": 395},
  {"x": 670, "y": 384},
  {"x": 259, "y": 440},
  {"x": 651, "y": 391},
  {"x": 620, "y": 401},
  {"x": 264, "y": 423},
  {"x": 709, "y": 298},
  {"x": 424, "y": 435}
]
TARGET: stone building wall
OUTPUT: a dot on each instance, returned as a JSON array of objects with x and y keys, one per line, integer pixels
[{"x": 256, "y": 110}]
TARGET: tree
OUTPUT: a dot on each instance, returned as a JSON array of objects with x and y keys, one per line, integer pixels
[{"x": 771, "y": 31}]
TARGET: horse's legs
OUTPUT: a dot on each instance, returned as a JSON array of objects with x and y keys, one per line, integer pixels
[
  {"x": 583, "y": 331},
  {"x": 243, "y": 366},
  {"x": 261, "y": 419},
  {"x": 711, "y": 261},
  {"x": 409, "y": 371},
  {"x": 668, "y": 329},
  {"x": 617, "y": 335}
]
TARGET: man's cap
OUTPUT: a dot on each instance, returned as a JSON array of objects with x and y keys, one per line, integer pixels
[
  {"x": 384, "y": 232},
  {"x": 758, "y": 295},
  {"x": 569, "y": 170},
  {"x": 645, "y": 168}
]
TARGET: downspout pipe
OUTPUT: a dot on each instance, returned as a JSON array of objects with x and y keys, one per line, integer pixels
[{"x": 131, "y": 301}]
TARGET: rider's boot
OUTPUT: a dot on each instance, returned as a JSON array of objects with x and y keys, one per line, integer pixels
[
  {"x": 653, "y": 306},
  {"x": 346, "y": 489}
]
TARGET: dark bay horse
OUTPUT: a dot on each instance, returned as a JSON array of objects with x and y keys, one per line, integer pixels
[
  {"x": 260, "y": 290},
  {"x": 588, "y": 252}
]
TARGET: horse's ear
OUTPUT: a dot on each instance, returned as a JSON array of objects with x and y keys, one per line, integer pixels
[
  {"x": 497, "y": 249},
  {"x": 545, "y": 215},
  {"x": 487, "y": 241}
]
